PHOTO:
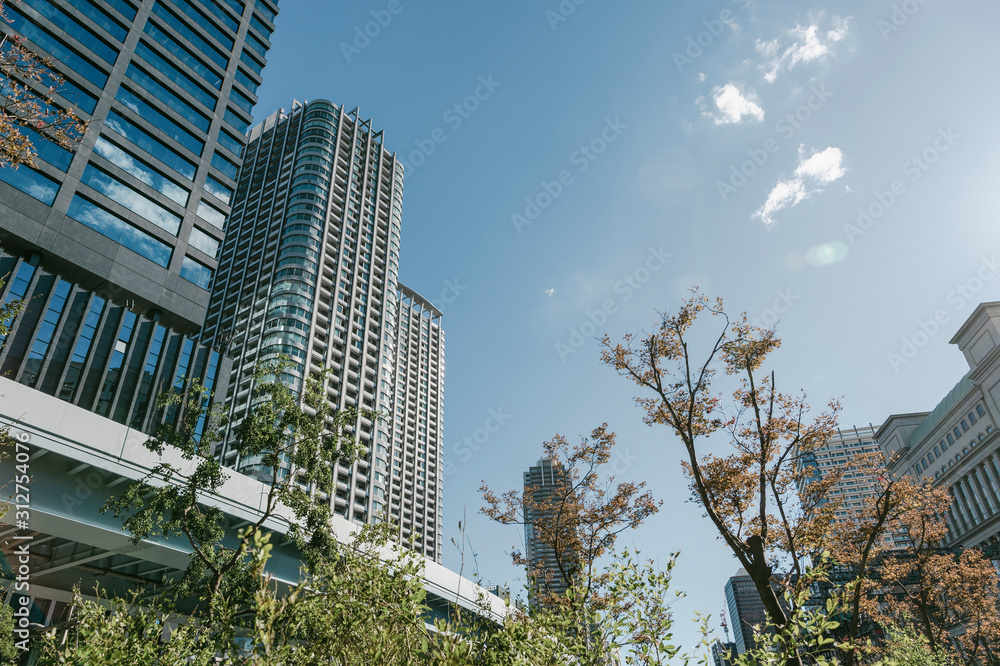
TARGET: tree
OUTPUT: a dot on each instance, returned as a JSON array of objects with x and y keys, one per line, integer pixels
[
  {"x": 749, "y": 493},
  {"x": 579, "y": 519},
  {"x": 907, "y": 647},
  {"x": 952, "y": 597},
  {"x": 27, "y": 85},
  {"x": 366, "y": 605},
  {"x": 867, "y": 535},
  {"x": 299, "y": 437}
]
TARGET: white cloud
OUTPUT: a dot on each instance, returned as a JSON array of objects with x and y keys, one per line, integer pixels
[
  {"x": 820, "y": 168},
  {"x": 785, "y": 193},
  {"x": 549, "y": 292},
  {"x": 733, "y": 105},
  {"x": 801, "y": 44},
  {"x": 824, "y": 166},
  {"x": 701, "y": 77}
]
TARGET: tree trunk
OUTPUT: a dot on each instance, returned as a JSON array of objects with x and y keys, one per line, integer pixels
[{"x": 761, "y": 576}]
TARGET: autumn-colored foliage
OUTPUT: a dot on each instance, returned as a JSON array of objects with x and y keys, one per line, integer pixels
[
  {"x": 950, "y": 597},
  {"x": 27, "y": 86},
  {"x": 749, "y": 492},
  {"x": 580, "y": 519}
]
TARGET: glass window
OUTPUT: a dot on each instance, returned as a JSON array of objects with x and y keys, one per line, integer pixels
[
  {"x": 218, "y": 190},
  {"x": 951, "y": 440},
  {"x": 225, "y": 166},
  {"x": 246, "y": 81},
  {"x": 230, "y": 143},
  {"x": 47, "y": 150},
  {"x": 214, "y": 54},
  {"x": 119, "y": 230},
  {"x": 101, "y": 18},
  {"x": 980, "y": 410},
  {"x": 125, "y": 9},
  {"x": 965, "y": 426},
  {"x": 71, "y": 26},
  {"x": 241, "y": 100},
  {"x": 138, "y": 169},
  {"x": 56, "y": 48},
  {"x": 164, "y": 124},
  {"x": 202, "y": 241},
  {"x": 81, "y": 100},
  {"x": 972, "y": 418},
  {"x": 250, "y": 62},
  {"x": 221, "y": 14},
  {"x": 31, "y": 182},
  {"x": 146, "y": 142},
  {"x": 182, "y": 54},
  {"x": 259, "y": 26},
  {"x": 194, "y": 272},
  {"x": 202, "y": 22},
  {"x": 265, "y": 11},
  {"x": 172, "y": 101},
  {"x": 958, "y": 433},
  {"x": 124, "y": 195},
  {"x": 236, "y": 122},
  {"x": 148, "y": 54},
  {"x": 235, "y": 5},
  {"x": 257, "y": 45},
  {"x": 82, "y": 348},
  {"x": 211, "y": 215}
]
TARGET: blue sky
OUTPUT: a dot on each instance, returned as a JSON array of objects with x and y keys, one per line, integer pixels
[{"x": 830, "y": 167}]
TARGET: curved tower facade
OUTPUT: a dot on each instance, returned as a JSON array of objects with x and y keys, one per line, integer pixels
[{"x": 309, "y": 269}]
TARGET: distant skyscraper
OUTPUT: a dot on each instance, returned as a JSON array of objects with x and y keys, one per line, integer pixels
[
  {"x": 746, "y": 610},
  {"x": 115, "y": 243},
  {"x": 415, "y": 484},
  {"x": 719, "y": 652},
  {"x": 837, "y": 456},
  {"x": 309, "y": 270},
  {"x": 546, "y": 485}
]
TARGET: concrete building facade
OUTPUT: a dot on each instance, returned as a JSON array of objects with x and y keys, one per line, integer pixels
[
  {"x": 309, "y": 271},
  {"x": 417, "y": 454},
  {"x": 956, "y": 444}
]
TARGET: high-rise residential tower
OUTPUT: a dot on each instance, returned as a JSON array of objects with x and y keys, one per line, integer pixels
[
  {"x": 115, "y": 243},
  {"x": 309, "y": 271},
  {"x": 838, "y": 456},
  {"x": 546, "y": 489},
  {"x": 415, "y": 482}
]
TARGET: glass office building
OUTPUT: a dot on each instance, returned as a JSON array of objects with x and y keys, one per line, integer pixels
[
  {"x": 116, "y": 243},
  {"x": 168, "y": 87}
]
